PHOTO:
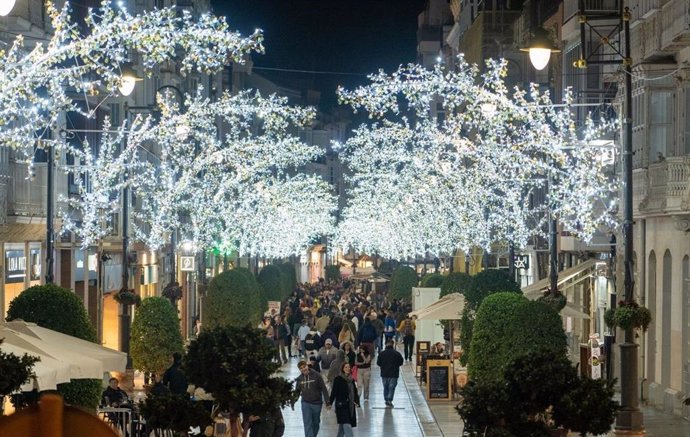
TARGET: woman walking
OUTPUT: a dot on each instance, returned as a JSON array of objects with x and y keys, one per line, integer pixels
[
  {"x": 346, "y": 399},
  {"x": 363, "y": 363}
]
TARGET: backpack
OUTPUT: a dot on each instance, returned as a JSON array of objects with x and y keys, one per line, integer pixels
[{"x": 407, "y": 328}]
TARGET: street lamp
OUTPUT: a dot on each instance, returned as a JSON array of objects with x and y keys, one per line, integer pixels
[
  {"x": 128, "y": 80},
  {"x": 6, "y": 7},
  {"x": 630, "y": 420},
  {"x": 540, "y": 48}
]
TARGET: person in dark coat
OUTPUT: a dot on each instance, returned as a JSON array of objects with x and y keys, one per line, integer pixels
[
  {"x": 174, "y": 378},
  {"x": 389, "y": 361},
  {"x": 346, "y": 399}
]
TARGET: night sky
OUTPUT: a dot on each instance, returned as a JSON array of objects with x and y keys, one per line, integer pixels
[{"x": 327, "y": 35}]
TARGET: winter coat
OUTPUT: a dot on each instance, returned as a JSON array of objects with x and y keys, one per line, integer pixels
[
  {"x": 390, "y": 361},
  {"x": 345, "y": 411},
  {"x": 327, "y": 356},
  {"x": 335, "y": 370},
  {"x": 367, "y": 333}
]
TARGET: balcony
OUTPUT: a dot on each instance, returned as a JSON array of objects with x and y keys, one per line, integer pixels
[
  {"x": 645, "y": 37},
  {"x": 592, "y": 7},
  {"x": 675, "y": 22},
  {"x": 663, "y": 187},
  {"x": 26, "y": 197}
]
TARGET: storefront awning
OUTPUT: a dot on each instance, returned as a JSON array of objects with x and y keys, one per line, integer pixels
[
  {"x": 536, "y": 290},
  {"x": 449, "y": 307}
]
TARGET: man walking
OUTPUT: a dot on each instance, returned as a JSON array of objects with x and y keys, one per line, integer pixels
[
  {"x": 312, "y": 388},
  {"x": 389, "y": 361}
]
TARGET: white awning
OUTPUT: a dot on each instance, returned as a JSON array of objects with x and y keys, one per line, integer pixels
[
  {"x": 535, "y": 290},
  {"x": 449, "y": 307}
]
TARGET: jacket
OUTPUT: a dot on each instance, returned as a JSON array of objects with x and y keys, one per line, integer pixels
[
  {"x": 327, "y": 356},
  {"x": 390, "y": 361},
  {"x": 367, "y": 333},
  {"x": 312, "y": 388},
  {"x": 344, "y": 406}
]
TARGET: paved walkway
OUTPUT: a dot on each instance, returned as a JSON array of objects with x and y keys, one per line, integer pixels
[
  {"x": 413, "y": 416},
  {"x": 410, "y": 416}
]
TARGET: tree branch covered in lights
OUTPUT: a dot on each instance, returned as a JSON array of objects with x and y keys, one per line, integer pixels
[
  {"x": 232, "y": 190},
  {"x": 425, "y": 184},
  {"x": 38, "y": 84}
]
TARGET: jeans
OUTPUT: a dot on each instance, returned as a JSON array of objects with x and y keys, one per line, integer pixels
[
  {"x": 311, "y": 417},
  {"x": 408, "y": 341},
  {"x": 389, "y": 385},
  {"x": 363, "y": 378},
  {"x": 344, "y": 429}
]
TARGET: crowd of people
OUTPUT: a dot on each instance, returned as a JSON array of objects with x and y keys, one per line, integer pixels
[
  {"x": 336, "y": 332},
  {"x": 337, "y": 329}
]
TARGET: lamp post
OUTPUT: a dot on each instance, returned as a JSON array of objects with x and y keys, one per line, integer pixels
[
  {"x": 127, "y": 84},
  {"x": 630, "y": 420}
]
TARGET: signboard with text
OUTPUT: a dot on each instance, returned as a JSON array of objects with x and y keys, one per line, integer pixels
[{"x": 15, "y": 266}]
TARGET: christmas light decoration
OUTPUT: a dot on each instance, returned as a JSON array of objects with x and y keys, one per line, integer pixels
[
  {"x": 234, "y": 191},
  {"x": 427, "y": 184},
  {"x": 37, "y": 85}
]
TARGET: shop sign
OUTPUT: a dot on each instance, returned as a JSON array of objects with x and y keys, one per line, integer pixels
[
  {"x": 595, "y": 359},
  {"x": 521, "y": 261},
  {"x": 15, "y": 266},
  {"x": 187, "y": 264}
]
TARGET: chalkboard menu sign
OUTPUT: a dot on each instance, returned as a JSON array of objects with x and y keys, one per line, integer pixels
[{"x": 439, "y": 375}]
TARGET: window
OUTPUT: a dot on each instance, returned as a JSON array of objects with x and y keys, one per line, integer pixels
[{"x": 660, "y": 124}]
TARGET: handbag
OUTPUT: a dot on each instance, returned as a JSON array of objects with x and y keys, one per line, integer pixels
[{"x": 354, "y": 373}]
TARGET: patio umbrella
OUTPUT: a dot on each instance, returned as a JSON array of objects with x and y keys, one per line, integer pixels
[
  {"x": 48, "y": 372},
  {"x": 80, "y": 366},
  {"x": 111, "y": 360}
]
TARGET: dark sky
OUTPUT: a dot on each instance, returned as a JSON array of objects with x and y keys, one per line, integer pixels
[{"x": 352, "y": 36}]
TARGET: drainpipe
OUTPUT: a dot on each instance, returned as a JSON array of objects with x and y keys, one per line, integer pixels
[{"x": 642, "y": 280}]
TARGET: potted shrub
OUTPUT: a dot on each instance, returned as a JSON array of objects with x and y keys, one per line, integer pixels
[
  {"x": 235, "y": 365},
  {"x": 333, "y": 274},
  {"x": 38, "y": 305},
  {"x": 431, "y": 280},
  {"x": 175, "y": 413},
  {"x": 155, "y": 335},
  {"x": 456, "y": 282},
  {"x": 402, "y": 281},
  {"x": 288, "y": 277},
  {"x": 270, "y": 281},
  {"x": 509, "y": 325},
  {"x": 233, "y": 299}
]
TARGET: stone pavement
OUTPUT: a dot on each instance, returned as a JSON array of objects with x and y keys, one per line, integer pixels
[{"x": 412, "y": 416}]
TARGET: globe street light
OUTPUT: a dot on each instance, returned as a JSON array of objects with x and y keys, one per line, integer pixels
[
  {"x": 6, "y": 7},
  {"x": 540, "y": 48},
  {"x": 128, "y": 80}
]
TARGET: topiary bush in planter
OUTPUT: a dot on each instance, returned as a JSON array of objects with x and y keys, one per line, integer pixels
[
  {"x": 402, "y": 281},
  {"x": 540, "y": 393},
  {"x": 232, "y": 299},
  {"x": 235, "y": 366},
  {"x": 431, "y": 280},
  {"x": 480, "y": 286},
  {"x": 333, "y": 274},
  {"x": 456, "y": 282},
  {"x": 57, "y": 308},
  {"x": 271, "y": 283},
  {"x": 155, "y": 335},
  {"x": 288, "y": 277},
  {"x": 509, "y": 325}
]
